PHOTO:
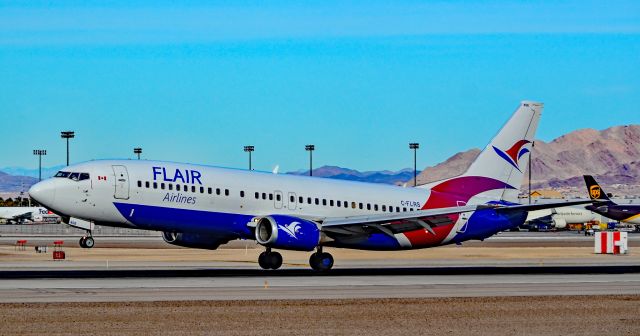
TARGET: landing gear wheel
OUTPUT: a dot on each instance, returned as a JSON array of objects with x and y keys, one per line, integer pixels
[
  {"x": 81, "y": 242},
  {"x": 270, "y": 260},
  {"x": 262, "y": 260},
  {"x": 321, "y": 261},
  {"x": 275, "y": 260},
  {"x": 89, "y": 242}
]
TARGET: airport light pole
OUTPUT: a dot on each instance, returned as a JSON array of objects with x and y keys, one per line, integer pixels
[
  {"x": 415, "y": 146},
  {"x": 39, "y": 153},
  {"x": 249, "y": 149},
  {"x": 67, "y": 135},
  {"x": 137, "y": 151},
  {"x": 310, "y": 149}
]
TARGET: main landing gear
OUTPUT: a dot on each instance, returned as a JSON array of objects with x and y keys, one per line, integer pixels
[
  {"x": 321, "y": 261},
  {"x": 87, "y": 241},
  {"x": 270, "y": 259}
]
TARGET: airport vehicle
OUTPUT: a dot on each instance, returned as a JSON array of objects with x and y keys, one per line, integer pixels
[
  {"x": 23, "y": 215},
  {"x": 627, "y": 213},
  {"x": 203, "y": 207}
]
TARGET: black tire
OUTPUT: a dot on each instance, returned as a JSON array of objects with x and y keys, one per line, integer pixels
[
  {"x": 262, "y": 260},
  {"x": 81, "y": 242},
  {"x": 89, "y": 242},
  {"x": 321, "y": 262},
  {"x": 275, "y": 260}
]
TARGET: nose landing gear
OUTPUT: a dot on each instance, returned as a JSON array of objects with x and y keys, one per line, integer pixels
[
  {"x": 270, "y": 259},
  {"x": 87, "y": 241},
  {"x": 321, "y": 261}
]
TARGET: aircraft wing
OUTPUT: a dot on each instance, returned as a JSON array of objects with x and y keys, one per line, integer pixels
[
  {"x": 26, "y": 215},
  {"x": 393, "y": 223}
]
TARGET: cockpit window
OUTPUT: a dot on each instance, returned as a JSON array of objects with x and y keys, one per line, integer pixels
[{"x": 73, "y": 176}]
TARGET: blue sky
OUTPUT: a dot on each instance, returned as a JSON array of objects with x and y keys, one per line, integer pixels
[{"x": 360, "y": 80}]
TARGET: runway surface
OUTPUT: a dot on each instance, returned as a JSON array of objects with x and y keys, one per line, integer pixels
[{"x": 171, "y": 285}]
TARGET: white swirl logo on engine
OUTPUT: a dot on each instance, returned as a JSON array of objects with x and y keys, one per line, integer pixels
[{"x": 292, "y": 229}]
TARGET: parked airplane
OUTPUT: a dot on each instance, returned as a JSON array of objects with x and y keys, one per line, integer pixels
[
  {"x": 204, "y": 207},
  {"x": 22, "y": 215},
  {"x": 628, "y": 213},
  {"x": 559, "y": 218}
]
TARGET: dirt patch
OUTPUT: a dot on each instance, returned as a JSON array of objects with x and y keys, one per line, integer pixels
[{"x": 571, "y": 315}]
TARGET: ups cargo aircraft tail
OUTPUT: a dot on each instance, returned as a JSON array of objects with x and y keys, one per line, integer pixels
[
  {"x": 204, "y": 207},
  {"x": 628, "y": 213}
]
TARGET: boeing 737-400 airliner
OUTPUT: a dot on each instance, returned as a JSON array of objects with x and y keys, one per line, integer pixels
[{"x": 204, "y": 207}]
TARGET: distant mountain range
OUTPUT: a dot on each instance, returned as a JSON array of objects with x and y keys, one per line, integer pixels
[
  {"x": 384, "y": 176},
  {"x": 11, "y": 183},
  {"x": 611, "y": 155},
  {"x": 19, "y": 171}
]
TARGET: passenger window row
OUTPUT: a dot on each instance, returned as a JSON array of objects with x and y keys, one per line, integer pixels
[
  {"x": 331, "y": 203},
  {"x": 185, "y": 188},
  {"x": 277, "y": 197}
]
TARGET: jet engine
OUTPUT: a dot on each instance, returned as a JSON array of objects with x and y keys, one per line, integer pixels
[
  {"x": 287, "y": 233},
  {"x": 194, "y": 240}
]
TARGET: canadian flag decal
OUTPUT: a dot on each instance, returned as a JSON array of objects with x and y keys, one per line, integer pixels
[{"x": 102, "y": 178}]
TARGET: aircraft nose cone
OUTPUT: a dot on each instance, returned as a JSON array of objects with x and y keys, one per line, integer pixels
[{"x": 43, "y": 192}]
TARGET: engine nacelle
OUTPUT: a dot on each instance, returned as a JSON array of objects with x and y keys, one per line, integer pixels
[
  {"x": 559, "y": 223},
  {"x": 287, "y": 233},
  {"x": 194, "y": 240}
]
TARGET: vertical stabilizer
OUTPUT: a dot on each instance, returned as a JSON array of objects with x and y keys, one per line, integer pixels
[{"x": 505, "y": 159}]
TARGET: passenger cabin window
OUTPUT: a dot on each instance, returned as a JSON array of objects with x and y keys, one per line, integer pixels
[
  {"x": 300, "y": 199},
  {"x": 384, "y": 207},
  {"x": 375, "y": 207},
  {"x": 368, "y": 206},
  {"x": 193, "y": 189},
  {"x": 308, "y": 200},
  {"x": 241, "y": 193},
  {"x": 346, "y": 204},
  {"x": 317, "y": 201},
  {"x": 360, "y": 206},
  {"x": 271, "y": 197},
  {"x": 264, "y": 196},
  {"x": 177, "y": 187},
  {"x": 278, "y": 197},
  {"x": 257, "y": 195},
  {"x": 217, "y": 191},
  {"x": 209, "y": 191},
  {"x": 226, "y": 192},
  {"x": 162, "y": 186},
  {"x": 292, "y": 199},
  {"x": 139, "y": 184},
  {"x": 170, "y": 186},
  {"x": 202, "y": 190},
  {"x": 353, "y": 205},
  {"x": 338, "y": 204},
  {"x": 324, "y": 202},
  {"x": 331, "y": 202},
  {"x": 155, "y": 185},
  {"x": 146, "y": 184}
]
